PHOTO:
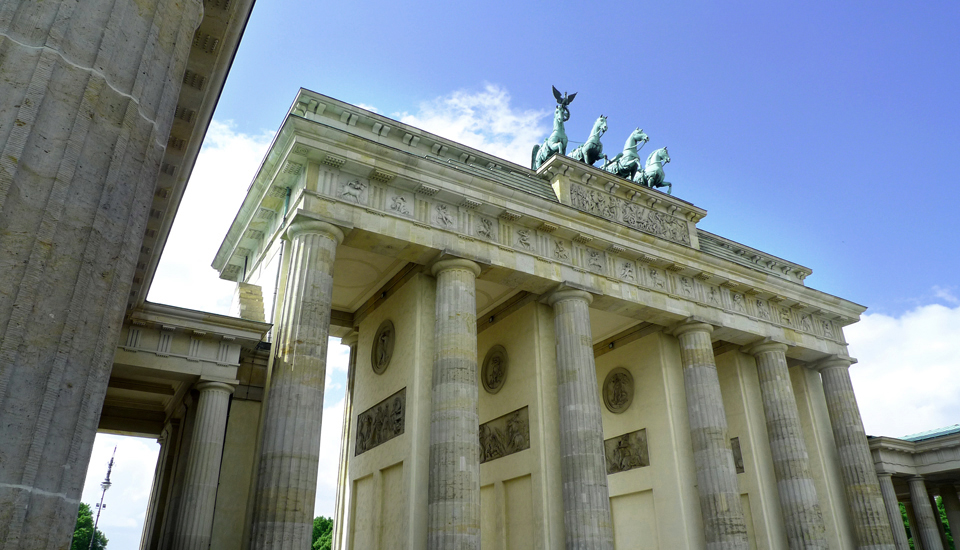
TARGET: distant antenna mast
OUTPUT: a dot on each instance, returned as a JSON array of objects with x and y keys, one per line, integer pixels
[{"x": 104, "y": 485}]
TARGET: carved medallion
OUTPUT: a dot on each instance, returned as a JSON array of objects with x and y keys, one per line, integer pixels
[
  {"x": 618, "y": 390},
  {"x": 381, "y": 422},
  {"x": 494, "y": 371},
  {"x": 505, "y": 435},
  {"x": 626, "y": 452},
  {"x": 382, "y": 349}
]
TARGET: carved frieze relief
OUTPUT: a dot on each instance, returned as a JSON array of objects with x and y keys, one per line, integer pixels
[
  {"x": 493, "y": 373},
  {"x": 381, "y": 422},
  {"x": 630, "y": 214},
  {"x": 618, "y": 390},
  {"x": 626, "y": 452},
  {"x": 382, "y": 350},
  {"x": 353, "y": 191},
  {"x": 505, "y": 435}
]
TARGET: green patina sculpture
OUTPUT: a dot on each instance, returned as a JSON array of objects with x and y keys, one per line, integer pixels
[
  {"x": 556, "y": 142},
  {"x": 652, "y": 173},
  {"x": 626, "y": 163},
  {"x": 592, "y": 150}
]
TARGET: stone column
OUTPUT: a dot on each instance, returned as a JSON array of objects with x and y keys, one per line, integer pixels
[
  {"x": 938, "y": 521},
  {"x": 586, "y": 498},
  {"x": 803, "y": 520},
  {"x": 723, "y": 522},
  {"x": 856, "y": 464},
  {"x": 290, "y": 451},
  {"x": 892, "y": 505},
  {"x": 195, "y": 517},
  {"x": 88, "y": 96},
  {"x": 343, "y": 474},
  {"x": 926, "y": 520},
  {"x": 453, "y": 501},
  {"x": 914, "y": 530},
  {"x": 951, "y": 505}
]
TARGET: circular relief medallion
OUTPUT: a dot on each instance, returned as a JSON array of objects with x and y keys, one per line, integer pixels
[
  {"x": 383, "y": 347},
  {"x": 494, "y": 370},
  {"x": 618, "y": 390}
]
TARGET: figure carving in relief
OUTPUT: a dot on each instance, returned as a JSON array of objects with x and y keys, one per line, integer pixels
[
  {"x": 397, "y": 416},
  {"x": 495, "y": 375},
  {"x": 517, "y": 433},
  {"x": 657, "y": 279},
  {"x": 738, "y": 303},
  {"x": 785, "y": 316},
  {"x": 363, "y": 433},
  {"x": 714, "y": 295},
  {"x": 805, "y": 323},
  {"x": 619, "y": 390},
  {"x": 353, "y": 189},
  {"x": 686, "y": 285},
  {"x": 625, "y": 456},
  {"x": 560, "y": 252},
  {"x": 485, "y": 228},
  {"x": 399, "y": 204},
  {"x": 596, "y": 260},
  {"x": 762, "y": 310},
  {"x": 523, "y": 238},
  {"x": 491, "y": 443},
  {"x": 443, "y": 216},
  {"x": 383, "y": 344},
  {"x": 827, "y": 329},
  {"x": 626, "y": 271}
]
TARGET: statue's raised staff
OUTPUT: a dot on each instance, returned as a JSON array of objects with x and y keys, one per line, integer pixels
[
  {"x": 652, "y": 173},
  {"x": 626, "y": 163},
  {"x": 592, "y": 150},
  {"x": 556, "y": 142}
]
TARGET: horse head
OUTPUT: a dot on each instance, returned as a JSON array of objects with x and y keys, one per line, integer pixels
[
  {"x": 639, "y": 136},
  {"x": 660, "y": 155},
  {"x": 601, "y": 125}
]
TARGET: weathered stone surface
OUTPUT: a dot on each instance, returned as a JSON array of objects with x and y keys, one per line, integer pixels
[
  {"x": 287, "y": 482},
  {"x": 802, "y": 517},
  {"x": 586, "y": 498},
  {"x": 89, "y": 91},
  {"x": 195, "y": 519},
  {"x": 893, "y": 511},
  {"x": 723, "y": 523},
  {"x": 926, "y": 525},
  {"x": 454, "y": 488},
  {"x": 856, "y": 464}
]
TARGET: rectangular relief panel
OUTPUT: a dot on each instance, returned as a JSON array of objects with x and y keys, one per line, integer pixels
[
  {"x": 634, "y": 521},
  {"x": 393, "y": 509},
  {"x": 381, "y": 422},
  {"x": 362, "y": 513},
  {"x": 519, "y": 513},
  {"x": 505, "y": 435},
  {"x": 626, "y": 452}
]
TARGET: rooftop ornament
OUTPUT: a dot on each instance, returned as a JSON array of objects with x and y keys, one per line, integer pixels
[{"x": 556, "y": 142}]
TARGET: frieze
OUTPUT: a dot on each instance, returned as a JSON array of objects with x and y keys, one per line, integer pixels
[
  {"x": 505, "y": 435},
  {"x": 618, "y": 390},
  {"x": 630, "y": 214},
  {"x": 382, "y": 350},
  {"x": 626, "y": 452},
  {"x": 381, "y": 422}
]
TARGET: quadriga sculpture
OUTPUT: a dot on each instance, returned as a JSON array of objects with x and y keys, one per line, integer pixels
[
  {"x": 556, "y": 142},
  {"x": 652, "y": 173},
  {"x": 626, "y": 163},
  {"x": 592, "y": 150}
]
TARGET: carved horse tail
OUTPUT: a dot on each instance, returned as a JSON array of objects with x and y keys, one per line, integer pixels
[{"x": 533, "y": 157}]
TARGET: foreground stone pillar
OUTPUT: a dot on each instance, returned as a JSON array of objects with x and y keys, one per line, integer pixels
[
  {"x": 892, "y": 505},
  {"x": 859, "y": 476},
  {"x": 723, "y": 523},
  {"x": 914, "y": 530},
  {"x": 586, "y": 498},
  {"x": 453, "y": 501},
  {"x": 290, "y": 452},
  {"x": 87, "y": 97},
  {"x": 343, "y": 474},
  {"x": 803, "y": 520},
  {"x": 195, "y": 517},
  {"x": 951, "y": 505},
  {"x": 926, "y": 520}
]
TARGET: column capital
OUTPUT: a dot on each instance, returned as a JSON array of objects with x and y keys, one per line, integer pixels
[
  {"x": 884, "y": 474},
  {"x": 206, "y": 385},
  {"x": 350, "y": 339},
  {"x": 917, "y": 478},
  {"x": 764, "y": 346},
  {"x": 691, "y": 325},
  {"x": 834, "y": 361},
  {"x": 455, "y": 263},
  {"x": 305, "y": 226},
  {"x": 568, "y": 294}
]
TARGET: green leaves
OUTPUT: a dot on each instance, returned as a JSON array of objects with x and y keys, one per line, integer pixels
[
  {"x": 84, "y": 530},
  {"x": 322, "y": 533}
]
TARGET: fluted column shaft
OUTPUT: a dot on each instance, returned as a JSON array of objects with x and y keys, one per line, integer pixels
[
  {"x": 87, "y": 98},
  {"x": 951, "y": 505},
  {"x": 586, "y": 497},
  {"x": 926, "y": 520},
  {"x": 892, "y": 505},
  {"x": 914, "y": 530},
  {"x": 723, "y": 522},
  {"x": 856, "y": 465},
  {"x": 195, "y": 516},
  {"x": 803, "y": 520},
  {"x": 343, "y": 478},
  {"x": 290, "y": 452},
  {"x": 454, "y": 489}
]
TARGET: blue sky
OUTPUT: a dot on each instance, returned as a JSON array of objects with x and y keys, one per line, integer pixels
[{"x": 822, "y": 132}]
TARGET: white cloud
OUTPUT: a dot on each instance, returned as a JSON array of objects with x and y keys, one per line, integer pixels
[
  {"x": 484, "y": 120},
  {"x": 907, "y": 379},
  {"x": 370, "y": 108},
  {"x": 225, "y": 167},
  {"x": 946, "y": 294}
]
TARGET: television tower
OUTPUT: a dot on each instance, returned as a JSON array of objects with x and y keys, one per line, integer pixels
[{"x": 104, "y": 485}]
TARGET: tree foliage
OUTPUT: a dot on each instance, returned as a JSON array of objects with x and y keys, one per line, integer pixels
[
  {"x": 84, "y": 530},
  {"x": 946, "y": 524},
  {"x": 322, "y": 533}
]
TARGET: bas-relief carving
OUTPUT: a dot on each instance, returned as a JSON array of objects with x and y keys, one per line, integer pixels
[
  {"x": 785, "y": 317},
  {"x": 618, "y": 390},
  {"x": 443, "y": 216},
  {"x": 595, "y": 260},
  {"x": 493, "y": 373},
  {"x": 525, "y": 239},
  {"x": 487, "y": 228},
  {"x": 686, "y": 286},
  {"x": 626, "y": 452},
  {"x": 355, "y": 191},
  {"x": 400, "y": 203},
  {"x": 560, "y": 251},
  {"x": 381, "y": 422},
  {"x": 382, "y": 349},
  {"x": 627, "y": 271},
  {"x": 630, "y": 214},
  {"x": 713, "y": 295},
  {"x": 505, "y": 435},
  {"x": 738, "y": 302},
  {"x": 762, "y": 310},
  {"x": 737, "y": 455},
  {"x": 657, "y": 279}
]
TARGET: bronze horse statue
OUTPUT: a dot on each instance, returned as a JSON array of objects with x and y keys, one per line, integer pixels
[{"x": 556, "y": 142}]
